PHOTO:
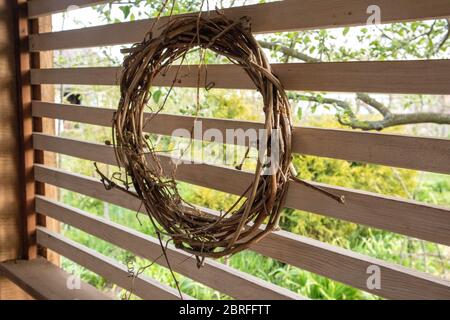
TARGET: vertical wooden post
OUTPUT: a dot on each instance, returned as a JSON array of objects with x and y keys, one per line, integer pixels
[
  {"x": 11, "y": 200},
  {"x": 27, "y": 93},
  {"x": 24, "y": 96},
  {"x": 45, "y": 93}
]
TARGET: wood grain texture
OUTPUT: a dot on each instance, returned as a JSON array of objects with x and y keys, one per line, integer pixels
[
  {"x": 10, "y": 186},
  {"x": 214, "y": 274},
  {"x": 38, "y": 8},
  {"x": 24, "y": 137},
  {"x": 312, "y": 255},
  {"x": 409, "y": 152},
  {"x": 424, "y": 76},
  {"x": 10, "y": 291},
  {"x": 406, "y": 217},
  {"x": 265, "y": 18},
  {"x": 142, "y": 286},
  {"x": 11, "y": 232},
  {"x": 44, "y": 92},
  {"x": 26, "y": 124},
  {"x": 45, "y": 281}
]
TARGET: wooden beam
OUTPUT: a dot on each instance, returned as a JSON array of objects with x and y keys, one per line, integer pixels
[
  {"x": 43, "y": 92},
  {"x": 265, "y": 18},
  {"x": 406, "y": 217},
  {"x": 11, "y": 182},
  {"x": 141, "y": 285},
  {"x": 45, "y": 281},
  {"x": 424, "y": 76},
  {"x": 26, "y": 129},
  {"x": 38, "y": 8},
  {"x": 26, "y": 92},
  {"x": 425, "y": 154}
]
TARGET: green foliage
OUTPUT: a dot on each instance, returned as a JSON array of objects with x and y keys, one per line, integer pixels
[{"x": 435, "y": 190}]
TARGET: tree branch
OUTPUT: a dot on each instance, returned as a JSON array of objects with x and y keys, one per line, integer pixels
[
  {"x": 288, "y": 51},
  {"x": 346, "y": 116},
  {"x": 364, "y": 97},
  {"x": 445, "y": 37}
]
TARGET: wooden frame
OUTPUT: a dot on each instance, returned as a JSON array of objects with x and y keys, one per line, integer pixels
[
  {"x": 410, "y": 218},
  {"x": 29, "y": 123},
  {"x": 27, "y": 151}
]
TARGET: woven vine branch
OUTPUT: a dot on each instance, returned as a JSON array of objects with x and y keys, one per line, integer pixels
[{"x": 192, "y": 230}]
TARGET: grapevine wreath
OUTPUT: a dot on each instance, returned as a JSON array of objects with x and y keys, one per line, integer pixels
[{"x": 191, "y": 229}]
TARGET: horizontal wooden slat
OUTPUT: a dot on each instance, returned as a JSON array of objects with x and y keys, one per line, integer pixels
[
  {"x": 401, "y": 216},
  {"x": 270, "y": 17},
  {"x": 45, "y": 281},
  {"x": 333, "y": 262},
  {"x": 409, "y": 152},
  {"x": 142, "y": 286},
  {"x": 423, "y": 76},
  {"x": 38, "y": 8},
  {"x": 213, "y": 274}
]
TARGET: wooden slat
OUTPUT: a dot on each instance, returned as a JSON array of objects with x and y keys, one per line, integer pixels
[
  {"x": 409, "y": 152},
  {"x": 423, "y": 76},
  {"x": 45, "y": 281},
  {"x": 333, "y": 262},
  {"x": 38, "y": 8},
  {"x": 352, "y": 268},
  {"x": 216, "y": 275},
  {"x": 142, "y": 286},
  {"x": 406, "y": 217},
  {"x": 265, "y": 18}
]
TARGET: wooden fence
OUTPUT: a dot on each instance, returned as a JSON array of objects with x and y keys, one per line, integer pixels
[{"x": 406, "y": 217}]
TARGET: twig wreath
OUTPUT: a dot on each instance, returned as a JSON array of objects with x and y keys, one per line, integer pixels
[{"x": 194, "y": 231}]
